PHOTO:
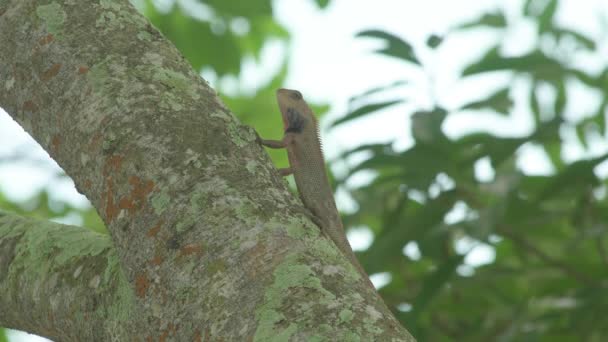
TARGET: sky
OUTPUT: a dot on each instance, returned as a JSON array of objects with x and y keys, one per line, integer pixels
[{"x": 329, "y": 65}]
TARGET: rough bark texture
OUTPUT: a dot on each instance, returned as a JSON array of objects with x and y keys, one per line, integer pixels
[
  {"x": 55, "y": 277},
  {"x": 212, "y": 244}
]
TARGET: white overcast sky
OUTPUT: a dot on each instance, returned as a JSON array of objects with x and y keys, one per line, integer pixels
[{"x": 328, "y": 65}]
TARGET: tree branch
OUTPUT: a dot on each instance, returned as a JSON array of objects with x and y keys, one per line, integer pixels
[
  {"x": 207, "y": 235},
  {"x": 549, "y": 260},
  {"x": 57, "y": 279}
]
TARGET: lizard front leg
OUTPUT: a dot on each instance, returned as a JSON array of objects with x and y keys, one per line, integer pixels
[
  {"x": 278, "y": 144},
  {"x": 272, "y": 143}
]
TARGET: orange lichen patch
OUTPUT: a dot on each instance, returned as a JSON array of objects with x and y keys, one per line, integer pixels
[
  {"x": 141, "y": 190},
  {"x": 83, "y": 70},
  {"x": 154, "y": 230},
  {"x": 95, "y": 140},
  {"x": 138, "y": 196},
  {"x": 46, "y": 39},
  {"x": 113, "y": 163},
  {"x": 30, "y": 106},
  {"x": 127, "y": 203},
  {"x": 165, "y": 334},
  {"x": 191, "y": 248},
  {"x": 157, "y": 260},
  {"x": 111, "y": 209},
  {"x": 51, "y": 72},
  {"x": 141, "y": 285},
  {"x": 55, "y": 142},
  {"x": 197, "y": 336}
]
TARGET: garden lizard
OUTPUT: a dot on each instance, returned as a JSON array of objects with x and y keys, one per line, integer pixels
[{"x": 306, "y": 163}]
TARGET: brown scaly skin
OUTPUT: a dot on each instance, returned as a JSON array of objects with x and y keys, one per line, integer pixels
[{"x": 307, "y": 164}]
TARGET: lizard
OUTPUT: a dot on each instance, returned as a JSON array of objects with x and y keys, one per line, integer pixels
[{"x": 307, "y": 164}]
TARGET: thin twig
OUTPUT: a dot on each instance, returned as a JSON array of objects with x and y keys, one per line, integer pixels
[{"x": 530, "y": 248}]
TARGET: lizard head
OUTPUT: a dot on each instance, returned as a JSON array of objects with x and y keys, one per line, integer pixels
[{"x": 297, "y": 116}]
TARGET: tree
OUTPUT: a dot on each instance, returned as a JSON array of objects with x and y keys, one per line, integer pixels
[
  {"x": 205, "y": 240},
  {"x": 547, "y": 279}
]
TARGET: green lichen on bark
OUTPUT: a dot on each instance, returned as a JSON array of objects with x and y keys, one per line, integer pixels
[
  {"x": 160, "y": 202},
  {"x": 289, "y": 275},
  {"x": 53, "y": 16}
]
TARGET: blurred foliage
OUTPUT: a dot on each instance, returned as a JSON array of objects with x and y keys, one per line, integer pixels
[
  {"x": 3, "y": 337},
  {"x": 216, "y": 33},
  {"x": 549, "y": 278}
]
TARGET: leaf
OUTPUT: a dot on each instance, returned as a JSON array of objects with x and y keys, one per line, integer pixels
[
  {"x": 322, "y": 3},
  {"x": 554, "y": 152},
  {"x": 378, "y": 89},
  {"x": 435, "y": 282},
  {"x": 495, "y": 20},
  {"x": 577, "y": 176},
  {"x": 528, "y": 7},
  {"x": 415, "y": 223},
  {"x": 600, "y": 117},
  {"x": 364, "y": 110},
  {"x": 395, "y": 46},
  {"x": 247, "y": 8},
  {"x": 3, "y": 337},
  {"x": 194, "y": 37},
  {"x": 560, "y": 99},
  {"x": 536, "y": 63},
  {"x": 578, "y": 37},
  {"x": 581, "y": 129},
  {"x": 434, "y": 41},
  {"x": 426, "y": 126},
  {"x": 534, "y": 104},
  {"x": 545, "y": 20},
  {"x": 499, "y": 102}
]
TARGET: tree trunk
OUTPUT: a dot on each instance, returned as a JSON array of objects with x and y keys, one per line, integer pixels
[{"x": 206, "y": 243}]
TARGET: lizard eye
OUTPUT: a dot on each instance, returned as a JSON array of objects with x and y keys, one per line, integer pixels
[{"x": 296, "y": 95}]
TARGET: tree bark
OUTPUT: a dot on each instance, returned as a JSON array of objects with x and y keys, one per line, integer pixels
[{"x": 211, "y": 244}]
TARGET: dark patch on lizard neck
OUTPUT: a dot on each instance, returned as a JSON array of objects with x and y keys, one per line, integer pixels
[{"x": 295, "y": 121}]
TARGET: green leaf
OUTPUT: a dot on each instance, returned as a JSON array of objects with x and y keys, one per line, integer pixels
[
  {"x": 600, "y": 116},
  {"x": 435, "y": 282},
  {"x": 554, "y": 152},
  {"x": 577, "y": 177},
  {"x": 395, "y": 46},
  {"x": 494, "y": 20},
  {"x": 322, "y": 3},
  {"x": 560, "y": 99},
  {"x": 500, "y": 102},
  {"x": 545, "y": 20},
  {"x": 528, "y": 7},
  {"x": 535, "y": 63},
  {"x": 249, "y": 8},
  {"x": 581, "y": 134},
  {"x": 535, "y": 104},
  {"x": 426, "y": 126},
  {"x": 378, "y": 89},
  {"x": 364, "y": 110},
  {"x": 434, "y": 41},
  {"x": 213, "y": 43},
  {"x": 3, "y": 337},
  {"x": 578, "y": 37}
]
